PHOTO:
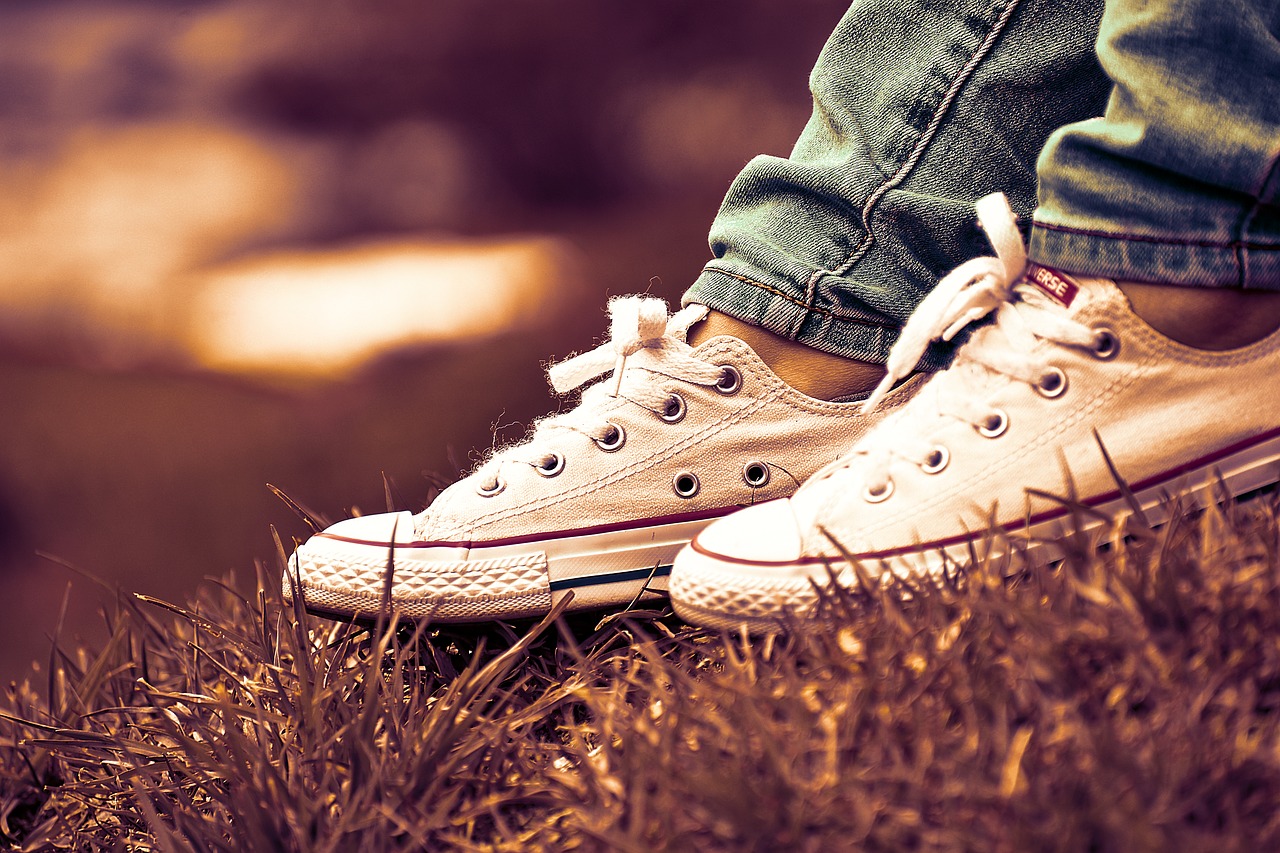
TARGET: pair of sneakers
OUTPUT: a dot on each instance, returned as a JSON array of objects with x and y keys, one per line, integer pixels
[{"x": 682, "y": 469}]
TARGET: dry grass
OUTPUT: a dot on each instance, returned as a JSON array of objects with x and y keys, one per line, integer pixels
[{"x": 1120, "y": 701}]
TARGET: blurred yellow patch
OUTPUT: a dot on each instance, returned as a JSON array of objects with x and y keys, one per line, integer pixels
[
  {"x": 104, "y": 226},
  {"x": 325, "y": 312}
]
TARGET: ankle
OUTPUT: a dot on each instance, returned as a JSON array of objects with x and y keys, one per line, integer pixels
[
  {"x": 1205, "y": 318},
  {"x": 818, "y": 374}
]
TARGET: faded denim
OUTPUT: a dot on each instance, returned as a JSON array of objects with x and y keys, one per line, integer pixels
[
  {"x": 1178, "y": 181},
  {"x": 921, "y": 107}
]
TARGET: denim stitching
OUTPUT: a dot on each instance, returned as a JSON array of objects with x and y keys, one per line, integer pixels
[
  {"x": 826, "y": 312},
  {"x": 926, "y": 137},
  {"x": 810, "y": 304},
  {"x": 1241, "y": 247},
  {"x": 1170, "y": 241}
]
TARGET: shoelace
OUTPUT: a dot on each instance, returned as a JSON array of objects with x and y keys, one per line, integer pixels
[
  {"x": 1006, "y": 348},
  {"x": 646, "y": 346}
]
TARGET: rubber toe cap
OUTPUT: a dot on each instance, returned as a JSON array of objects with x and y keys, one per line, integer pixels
[
  {"x": 381, "y": 529},
  {"x": 764, "y": 533}
]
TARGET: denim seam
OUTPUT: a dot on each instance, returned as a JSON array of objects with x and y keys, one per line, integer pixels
[
  {"x": 1241, "y": 247},
  {"x": 810, "y": 306},
  {"x": 1173, "y": 241},
  {"x": 794, "y": 301},
  {"x": 926, "y": 138}
]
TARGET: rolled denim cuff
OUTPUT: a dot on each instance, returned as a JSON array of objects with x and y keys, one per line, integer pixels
[
  {"x": 1178, "y": 181},
  {"x": 749, "y": 296},
  {"x": 1132, "y": 257}
]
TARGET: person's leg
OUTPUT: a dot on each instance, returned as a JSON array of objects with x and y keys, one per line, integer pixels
[
  {"x": 1177, "y": 186},
  {"x": 920, "y": 108},
  {"x": 1178, "y": 183},
  {"x": 1173, "y": 193}
]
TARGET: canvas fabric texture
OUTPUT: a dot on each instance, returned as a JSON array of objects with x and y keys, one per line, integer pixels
[
  {"x": 1158, "y": 405},
  {"x": 767, "y": 421},
  {"x": 509, "y": 541},
  {"x": 1171, "y": 417}
]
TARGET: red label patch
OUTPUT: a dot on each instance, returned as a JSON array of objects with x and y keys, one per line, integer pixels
[{"x": 1055, "y": 285}]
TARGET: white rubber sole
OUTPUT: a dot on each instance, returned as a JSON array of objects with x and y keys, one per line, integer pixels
[
  {"x": 471, "y": 582},
  {"x": 727, "y": 593}
]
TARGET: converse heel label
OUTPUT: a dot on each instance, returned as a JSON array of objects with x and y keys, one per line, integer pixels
[{"x": 1055, "y": 285}]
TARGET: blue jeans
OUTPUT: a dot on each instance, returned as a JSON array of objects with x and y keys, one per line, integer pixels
[{"x": 1152, "y": 158}]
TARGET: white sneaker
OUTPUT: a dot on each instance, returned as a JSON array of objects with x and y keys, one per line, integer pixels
[
  {"x": 600, "y": 499},
  {"x": 1019, "y": 418}
]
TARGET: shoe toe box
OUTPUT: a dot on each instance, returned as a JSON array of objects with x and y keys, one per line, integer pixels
[
  {"x": 748, "y": 569},
  {"x": 382, "y": 530},
  {"x": 764, "y": 534}
]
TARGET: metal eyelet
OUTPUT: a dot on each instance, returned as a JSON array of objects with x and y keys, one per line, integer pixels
[
  {"x": 756, "y": 474},
  {"x": 938, "y": 459},
  {"x": 674, "y": 410},
  {"x": 995, "y": 424},
  {"x": 1106, "y": 343},
  {"x": 730, "y": 381},
  {"x": 686, "y": 484},
  {"x": 552, "y": 465},
  {"x": 488, "y": 491},
  {"x": 614, "y": 437},
  {"x": 878, "y": 494},
  {"x": 1052, "y": 383}
]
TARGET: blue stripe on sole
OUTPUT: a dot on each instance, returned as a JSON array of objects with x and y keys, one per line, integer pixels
[{"x": 611, "y": 577}]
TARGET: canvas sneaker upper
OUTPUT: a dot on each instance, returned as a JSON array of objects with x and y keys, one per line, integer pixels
[
  {"x": 1056, "y": 370},
  {"x": 598, "y": 499}
]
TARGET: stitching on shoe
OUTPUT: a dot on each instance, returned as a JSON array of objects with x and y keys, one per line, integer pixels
[
  {"x": 1137, "y": 372},
  {"x": 451, "y": 524},
  {"x": 402, "y": 599},
  {"x": 776, "y": 391},
  {"x": 701, "y": 436}
]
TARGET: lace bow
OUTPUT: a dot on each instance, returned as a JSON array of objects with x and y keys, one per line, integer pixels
[
  {"x": 639, "y": 326},
  {"x": 635, "y": 323}
]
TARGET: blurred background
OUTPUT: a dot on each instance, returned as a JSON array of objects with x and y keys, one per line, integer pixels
[{"x": 319, "y": 244}]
